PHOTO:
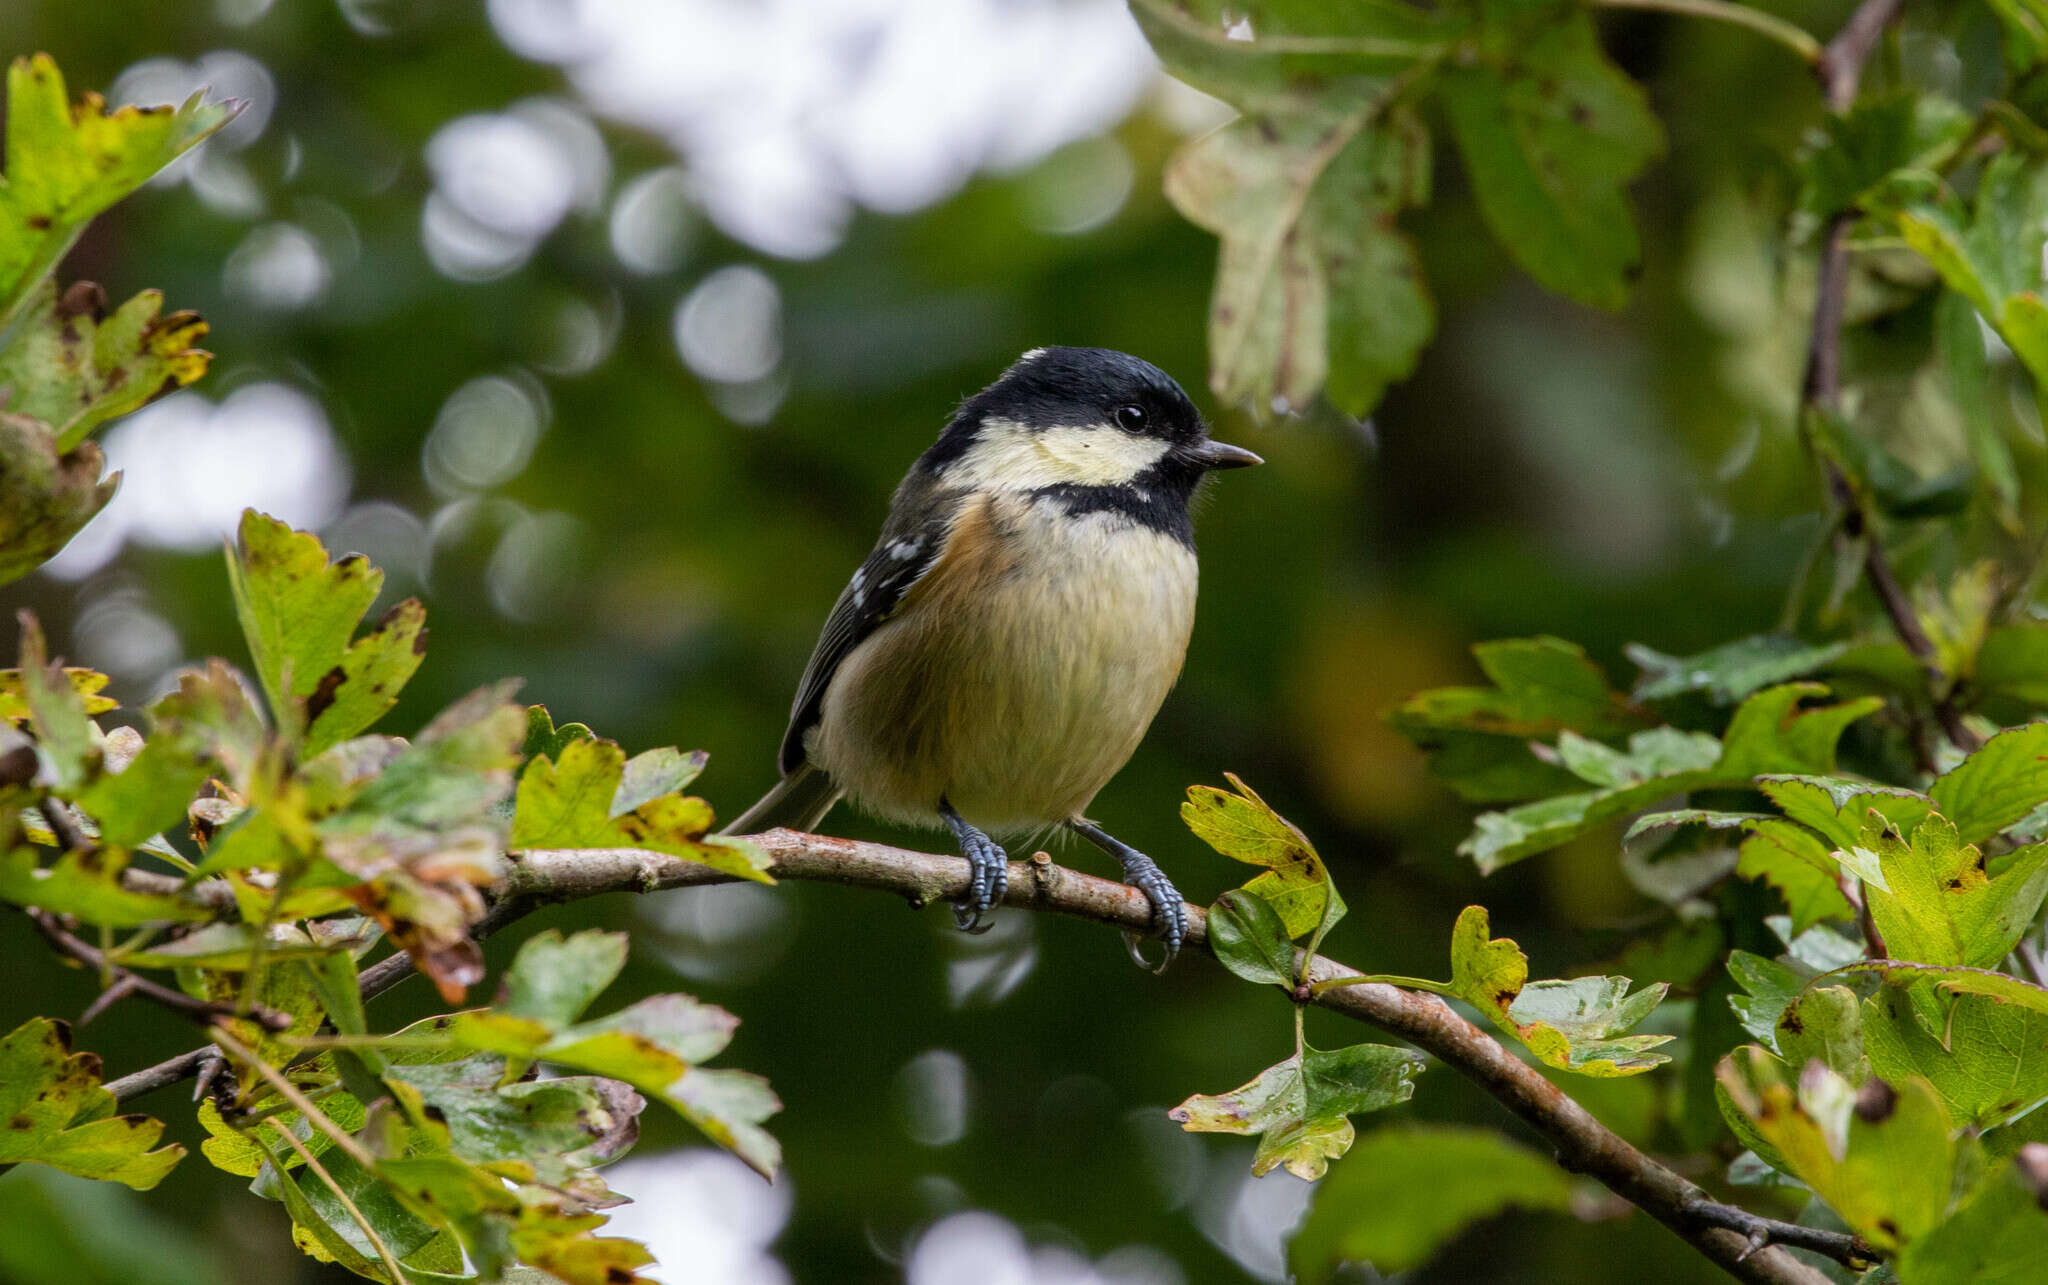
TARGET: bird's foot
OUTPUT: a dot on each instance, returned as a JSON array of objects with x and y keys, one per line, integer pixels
[
  {"x": 1169, "y": 913},
  {"x": 989, "y": 868}
]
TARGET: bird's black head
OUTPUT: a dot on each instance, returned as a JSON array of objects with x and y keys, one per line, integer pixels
[{"x": 1067, "y": 419}]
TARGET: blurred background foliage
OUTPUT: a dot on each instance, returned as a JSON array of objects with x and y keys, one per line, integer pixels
[{"x": 607, "y": 327}]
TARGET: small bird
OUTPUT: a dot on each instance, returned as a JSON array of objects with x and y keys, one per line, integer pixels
[{"x": 998, "y": 657}]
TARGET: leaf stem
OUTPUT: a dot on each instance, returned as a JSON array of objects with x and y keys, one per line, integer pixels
[
  {"x": 398, "y": 1276},
  {"x": 296, "y": 1096},
  {"x": 1769, "y": 25},
  {"x": 1383, "y": 979}
]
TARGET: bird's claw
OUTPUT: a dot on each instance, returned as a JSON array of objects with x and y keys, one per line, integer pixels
[
  {"x": 989, "y": 880},
  {"x": 1169, "y": 913}
]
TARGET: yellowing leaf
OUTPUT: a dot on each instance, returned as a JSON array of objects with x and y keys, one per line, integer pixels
[
  {"x": 56, "y": 1113},
  {"x": 74, "y": 366},
  {"x": 65, "y": 164},
  {"x": 1574, "y": 1025},
  {"x": 298, "y": 612},
  {"x": 571, "y": 802},
  {"x": 1243, "y": 827}
]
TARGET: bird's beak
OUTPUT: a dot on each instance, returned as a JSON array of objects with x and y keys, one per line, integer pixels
[{"x": 1213, "y": 455}]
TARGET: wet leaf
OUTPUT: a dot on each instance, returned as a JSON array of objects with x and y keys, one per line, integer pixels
[
  {"x": 1250, "y": 940},
  {"x": 1406, "y": 1191},
  {"x": 1732, "y": 671},
  {"x": 1768, "y": 734},
  {"x": 1987, "y": 1057},
  {"x": 1297, "y": 1108},
  {"x": 59, "y": 1115},
  {"x": 2001, "y": 782}
]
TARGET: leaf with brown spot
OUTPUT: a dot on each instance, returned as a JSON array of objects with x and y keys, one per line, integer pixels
[
  {"x": 1576, "y": 1025},
  {"x": 299, "y": 610},
  {"x": 576, "y": 801},
  {"x": 54, "y": 1111},
  {"x": 78, "y": 370},
  {"x": 46, "y": 496}
]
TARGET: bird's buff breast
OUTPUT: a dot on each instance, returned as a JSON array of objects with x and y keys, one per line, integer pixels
[{"x": 1012, "y": 687}]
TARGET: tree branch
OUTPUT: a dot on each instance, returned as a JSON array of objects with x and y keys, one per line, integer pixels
[
  {"x": 123, "y": 983},
  {"x": 1840, "y": 69},
  {"x": 1724, "y": 1233}
]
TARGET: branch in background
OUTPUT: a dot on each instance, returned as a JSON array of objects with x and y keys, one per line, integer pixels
[
  {"x": 124, "y": 983},
  {"x": 1840, "y": 69},
  {"x": 1724, "y": 1233}
]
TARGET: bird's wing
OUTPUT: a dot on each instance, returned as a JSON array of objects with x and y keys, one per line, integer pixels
[{"x": 907, "y": 550}]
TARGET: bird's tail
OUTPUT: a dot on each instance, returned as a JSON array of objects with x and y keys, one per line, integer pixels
[{"x": 799, "y": 801}]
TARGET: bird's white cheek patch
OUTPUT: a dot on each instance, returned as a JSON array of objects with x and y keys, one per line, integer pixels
[{"x": 1009, "y": 455}]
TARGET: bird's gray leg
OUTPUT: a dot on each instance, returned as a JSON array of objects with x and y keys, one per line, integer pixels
[
  {"x": 991, "y": 867},
  {"x": 1169, "y": 916}
]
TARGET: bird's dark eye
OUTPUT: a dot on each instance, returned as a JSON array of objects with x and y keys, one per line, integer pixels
[{"x": 1131, "y": 419}]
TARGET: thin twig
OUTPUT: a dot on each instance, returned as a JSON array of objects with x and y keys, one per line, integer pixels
[
  {"x": 312, "y": 1162},
  {"x": 127, "y": 983},
  {"x": 1840, "y": 69},
  {"x": 1760, "y": 1231}
]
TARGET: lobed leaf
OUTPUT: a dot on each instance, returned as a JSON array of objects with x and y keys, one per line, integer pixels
[
  {"x": 1298, "y": 1107},
  {"x": 65, "y": 164},
  {"x": 59, "y": 1115},
  {"x": 1575, "y": 1025},
  {"x": 73, "y": 365},
  {"x": 1244, "y": 827},
  {"x": 298, "y": 611},
  {"x": 575, "y": 802}
]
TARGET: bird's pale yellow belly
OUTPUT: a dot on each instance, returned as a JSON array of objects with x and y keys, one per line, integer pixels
[{"x": 1014, "y": 689}]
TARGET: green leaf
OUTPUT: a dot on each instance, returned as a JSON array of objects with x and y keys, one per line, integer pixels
[
  {"x": 1838, "y": 808},
  {"x": 2013, "y": 664},
  {"x": 562, "y": 1127},
  {"x": 1959, "y": 981},
  {"x": 544, "y": 739},
  {"x": 326, "y": 1242},
  {"x": 1540, "y": 686},
  {"x": 1732, "y": 671},
  {"x": 1552, "y": 133},
  {"x": 1988, "y": 1058},
  {"x": 59, "y": 1115},
  {"x": 1990, "y": 255},
  {"x": 1315, "y": 284},
  {"x": 1878, "y": 136},
  {"x": 2004, "y": 780},
  {"x": 553, "y": 979},
  {"x": 1575, "y": 1025},
  {"x": 1959, "y": 341},
  {"x": 1406, "y": 1191},
  {"x": 150, "y": 794},
  {"x": 1825, "y": 1024},
  {"x": 1768, "y": 734},
  {"x": 1771, "y": 986},
  {"x": 66, "y": 736},
  {"x": 1879, "y": 1156},
  {"x": 88, "y": 887},
  {"x": 1250, "y": 940},
  {"x": 1791, "y": 859},
  {"x": 298, "y": 612},
  {"x": 1298, "y": 1107},
  {"x": 65, "y": 164},
  {"x": 1933, "y": 901},
  {"x": 568, "y": 803},
  {"x": 1291, "y": 51},
  {"x": 73, "y": 365},
  {"x": 46, "y": 496},
  {"x": 1998, "y": 1236},
  {"x": 1243, "y": 827}
]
